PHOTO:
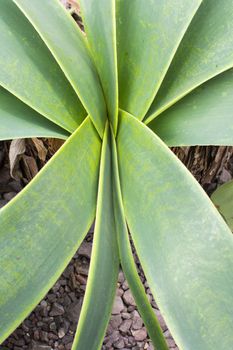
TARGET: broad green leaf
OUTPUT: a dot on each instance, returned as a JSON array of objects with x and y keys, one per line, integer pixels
[
  {"x": 68, "y": 46},
  {"x": 42, "y": 227},
  {"x": 103, "y": 273},
  {"x": 17, "y": 120},
  {"x": 184, "y": 245},
  {"x": 205, "y": 51},
  {"x": 100, "y": 26},
  {"x": 128, "y": 264},
  {"x": 148, "y": 34},
  {"x": 223, "y": 200},
  {"x": 204, "y": 117},
  {"x": 29, "y": 71}
]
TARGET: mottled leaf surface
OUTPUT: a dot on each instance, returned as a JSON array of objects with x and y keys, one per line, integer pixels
[
  {"x": 104, "y": 267},
  {"x": 29, "y": 71},
  {"x": 68, "y": 45},
  {"x": 100, "y": 26},
  {"x": 204, "y": 117},
  {"x": 205, "y": 51},
  {"x": 42, "y": 227},
  {"x": 128, "y": 263},
  {"x": 148, "y": 34},
  {"x": 185, "y": 247},
  {"x": 17, "y": 120}
]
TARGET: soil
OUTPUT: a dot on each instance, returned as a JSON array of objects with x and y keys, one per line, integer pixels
[{"x": 53, "y": 322}]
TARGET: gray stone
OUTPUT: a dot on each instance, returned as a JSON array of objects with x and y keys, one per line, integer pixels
[
  {"x": 53, "y": 326},
  {"x": 140, "y": 334},
  {"x": 131, "y": 308},
  {"x": 167, "y": 334},
  {"x": 125, "y": 285},
  {"x": 37, "y": 346},
  {"x": 115, "y": 321},
  {"x": 128, "y": 298},
  {"x": 85, "y": 249},
  {"x": 118, "y": 306},
  {"x": 73, "y": 310},
  {"x": 61, "y": 333},
  {"x": 112, "y": 338},
  {"x": 171, "y": 343},
  {"x": 119, "y": 292},
  {"x": 137, "y": 321},
  {"x": 8, "y": 196},
  {"x": 125, "y": 315},
  {"x": 57, "y": 310},
  {"x": 125, "y": 326},
  {"x": 44, "y": 336},
  {"x": 119, "y": 344},
  {"x": 121, "y": 277}
]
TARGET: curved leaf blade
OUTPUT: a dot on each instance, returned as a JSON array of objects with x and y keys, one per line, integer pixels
[
  {"x": 223, "y": 200},
  {"x": 146, "y": 48},
  {"x": 29, "y": 71},
  {"x": 205, "y": 51},
  {"x": 185, "y": 248},
  {"x": 42, "y": 227},
  {"x": 103, "y": 273},
  {"x": 68, "y": 46},
  {"x": 100, "y": 26},
  {"x": 204, "y": 117},
  {"x": 128, "y": 264},
  {"x": 17, "y": 120}
]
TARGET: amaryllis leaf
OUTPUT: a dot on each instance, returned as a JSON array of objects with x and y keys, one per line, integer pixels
[
  {"x": 148, "y": 34},
  {"x": 100, "y": 27},
  {"x": 17, "y": 120},
  {"x": 204, "y": 117},
  {"x": 205, "y": 51},
  {"x": 128, "y": 263},
  {"x": 103, "y": 273},
  {"x": 29, "y": 71},
  {"x": 43, "y": 226},
  {"x": 68, "y": 46},
  {"x": 184, "y": 245}
]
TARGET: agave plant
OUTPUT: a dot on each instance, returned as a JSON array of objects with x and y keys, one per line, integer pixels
[{"x": 145, "y": 76}]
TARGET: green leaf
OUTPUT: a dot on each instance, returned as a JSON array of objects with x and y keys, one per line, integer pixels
[
  {"x": 223, "y": 200},
  {"x": 29, "y": 71},
  {"x": 184, "y": 245},
  {"x": 205, "y": 51},
  {"x": 128, "y": 264},
  {"x": 204, "y": 117},
  {"x": 148, "y": 34},
  {"x": 17, "y": 120},
  {"x": 68, "y": 45},
  {"x": 103, "y": 273},
  {"x": 100, "y": 26},
  {"x": 42, "y": 227}
]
